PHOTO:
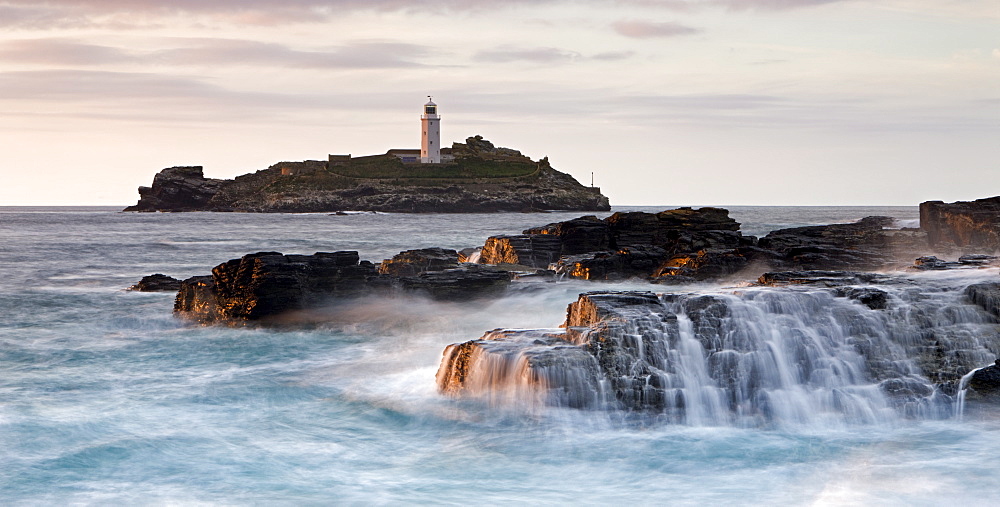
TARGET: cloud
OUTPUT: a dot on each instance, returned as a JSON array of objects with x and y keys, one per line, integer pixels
[
  {"x": 537, "y": 55},
  {"x": 613, "y": 55},
  {"x": 358, "y": 55},
  {"x": 770, "y": 5},
  {"x": 648, "y": 29},
  {"x": 61, "y": 52},
  {"x": 215, "y": 52},
  {"x": 124, "y": 14},
  {"x": 46, "y": 14}
]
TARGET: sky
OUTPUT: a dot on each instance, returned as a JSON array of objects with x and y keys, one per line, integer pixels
[{"x": 740, "y": 102}]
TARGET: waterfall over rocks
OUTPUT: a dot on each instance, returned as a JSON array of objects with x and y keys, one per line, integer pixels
[{"x": 747, "y": 357}]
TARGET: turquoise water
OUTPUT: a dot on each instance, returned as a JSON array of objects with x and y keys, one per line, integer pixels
[{"x": 105, "y": 398}]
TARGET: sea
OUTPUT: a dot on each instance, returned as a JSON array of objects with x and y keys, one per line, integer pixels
[{"x": 107, "y": 399}]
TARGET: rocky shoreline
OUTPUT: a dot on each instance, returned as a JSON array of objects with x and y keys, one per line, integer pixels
[{"x": 832, "y": 267}]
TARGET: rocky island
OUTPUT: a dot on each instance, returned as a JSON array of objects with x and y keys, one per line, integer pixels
[{"x": 477, "y": 177}]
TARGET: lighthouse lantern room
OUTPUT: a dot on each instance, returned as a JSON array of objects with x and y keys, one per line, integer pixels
[{"x": 430, "y": 138}]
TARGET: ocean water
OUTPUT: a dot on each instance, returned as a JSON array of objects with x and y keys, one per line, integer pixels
[{"x": 106, "y": 398}]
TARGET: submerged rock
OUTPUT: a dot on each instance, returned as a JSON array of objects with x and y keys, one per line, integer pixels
[{"x": 156, "y": 283}]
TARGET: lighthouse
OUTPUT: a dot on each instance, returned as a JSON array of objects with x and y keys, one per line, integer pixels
[{"x": 430, "y": 138}]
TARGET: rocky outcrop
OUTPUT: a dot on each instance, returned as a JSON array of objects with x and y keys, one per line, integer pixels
[
  {"x": 865, "y": 244},
  {"x": 178, "y": 189},
  {"x": 685, "y": 245},
  {"x": 972, "y": 226},
  {"x": 266, "y": 286},
  {"x": 684, "y": 242},
  {"x": 157, "y": 283},
  {"x": 479, "y": 181}
]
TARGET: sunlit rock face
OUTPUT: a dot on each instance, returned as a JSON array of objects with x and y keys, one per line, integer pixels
[
  {"x": 972, "y": 226},
  {"x": 799, "y": 353}
]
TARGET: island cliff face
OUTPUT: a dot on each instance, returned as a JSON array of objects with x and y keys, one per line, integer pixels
[{"x": 482, "y": 178}]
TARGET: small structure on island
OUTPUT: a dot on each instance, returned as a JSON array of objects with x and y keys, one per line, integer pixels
[{"x": 430, "y": 137}]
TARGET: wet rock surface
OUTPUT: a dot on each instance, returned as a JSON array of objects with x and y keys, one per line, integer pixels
[{"x": 986, "y": 382}]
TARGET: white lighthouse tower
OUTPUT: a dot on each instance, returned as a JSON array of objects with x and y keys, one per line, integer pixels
[{"x": 430, "y": 139}]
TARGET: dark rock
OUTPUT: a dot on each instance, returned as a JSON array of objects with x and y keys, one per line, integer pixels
[
  {"x": 930, "y": 262},
  {"x": 157, "y": 283},
  {"x": 459, "y": 284},
  {"x": 262, "y": 287},
  {"x": 986, "y": 295},
  {"x": 819, "y": 277},
  {"x": 579, "y": 235},
  {"x": 177, "y": 189},
  {"x": 676, "y": 231},
  {"x": 864, "y": 244},
  {"x": 876, "y": 299},
  {"x": 626, "y": 262},
  {"x": 986, "y": 382},
  {"x": 971, "y": 225},
  {"x": 678, "y": 244},
  {"x": 266, "y": 284},
  {"x": 702, "y": 265},
  {"x": 979, "y": 260},
  {"x": 414, "y": 262}
]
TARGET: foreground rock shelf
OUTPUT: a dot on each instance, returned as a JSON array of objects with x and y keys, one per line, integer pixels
[{"x": 747, "y": 357}]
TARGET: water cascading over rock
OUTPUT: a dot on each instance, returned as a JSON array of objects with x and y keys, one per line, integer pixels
[{"x": 750, "y": 357}]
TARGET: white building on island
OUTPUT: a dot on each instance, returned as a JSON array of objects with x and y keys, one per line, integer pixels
[
  {"x": 430, "y": 151},
  {"x": 430, "y": 138}
]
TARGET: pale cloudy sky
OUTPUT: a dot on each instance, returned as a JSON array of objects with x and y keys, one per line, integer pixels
[{"x": 770, "y": 102}]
